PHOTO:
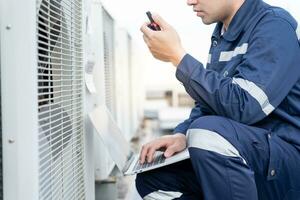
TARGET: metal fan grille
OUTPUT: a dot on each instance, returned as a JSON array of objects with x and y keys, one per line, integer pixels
[
  {"x": 108, "y": 41},
  {"x": 60, "y": 87}
]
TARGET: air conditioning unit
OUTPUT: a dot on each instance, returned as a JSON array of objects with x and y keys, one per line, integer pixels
[
  {"x": 42, "y": 99},
  {"x": 109, "y": 62},
  {"x": 100, "y": 47},
  {"x": 124, "y": 75}
]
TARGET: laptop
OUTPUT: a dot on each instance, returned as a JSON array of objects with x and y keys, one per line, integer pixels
[{"x": 119, "y": 149}]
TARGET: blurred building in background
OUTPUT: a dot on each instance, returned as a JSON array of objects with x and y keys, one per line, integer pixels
[{"x": 168, "y": 105}]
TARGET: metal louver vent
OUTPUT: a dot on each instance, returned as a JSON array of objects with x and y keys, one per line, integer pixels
[
  {"x": 60, "y": 87},
  {"x": 108, "y": 41}
]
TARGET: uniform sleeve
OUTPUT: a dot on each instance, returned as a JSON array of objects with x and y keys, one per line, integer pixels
[
  {"x": 198, "y": 111},
  {"x": 268, "y": 71}
]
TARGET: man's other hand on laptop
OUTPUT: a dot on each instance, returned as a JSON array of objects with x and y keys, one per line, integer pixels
[{"x": 171, "y": 143}]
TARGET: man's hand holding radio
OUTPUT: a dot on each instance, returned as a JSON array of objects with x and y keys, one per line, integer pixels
[{"x": 165, "y": 44}]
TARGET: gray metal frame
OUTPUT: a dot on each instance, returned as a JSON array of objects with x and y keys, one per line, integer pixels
[{"x": 19, "y": 99}]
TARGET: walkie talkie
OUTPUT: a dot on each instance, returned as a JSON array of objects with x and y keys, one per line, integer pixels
[{"x": 154, "y": 26}]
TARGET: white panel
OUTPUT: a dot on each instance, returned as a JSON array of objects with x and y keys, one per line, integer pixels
[
  {"x": 123, "y": 75},
  {"x": 102, "y": 161},
  {"x": 19, "y": 99},
  {"x": 131, "y": 87},
  {"x": 109, "y": 63},
  {"x": 89, "y": 101}
]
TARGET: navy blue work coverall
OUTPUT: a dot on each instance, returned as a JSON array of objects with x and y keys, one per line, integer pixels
[{"x": 243, "y": 135}]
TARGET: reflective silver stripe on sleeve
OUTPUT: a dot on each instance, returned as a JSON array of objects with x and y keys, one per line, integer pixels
[
  {"x": 228, "y": 55},
  {"x": 298, "y": 31},
  {"x": 209, "y": 59},
  {"x": 211, "y": 141},
  {"x": 256, "y": 93},
  {"x": 162, "y": 195}
]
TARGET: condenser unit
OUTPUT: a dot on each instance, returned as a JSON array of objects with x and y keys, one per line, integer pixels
[
  {"x": 124, "y": 75},
  {"x": 109, "y": 62},
  {"x": 100, "y": 48},
  {"x": 42, "y": 79}
]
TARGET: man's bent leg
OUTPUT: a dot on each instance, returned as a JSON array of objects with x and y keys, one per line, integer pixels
[
  {"x": 176, "y": 181},
  {"x": 221, "y": 168}
]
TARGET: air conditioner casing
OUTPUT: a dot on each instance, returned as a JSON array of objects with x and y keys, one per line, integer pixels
[{"x": 39, "y": 161}]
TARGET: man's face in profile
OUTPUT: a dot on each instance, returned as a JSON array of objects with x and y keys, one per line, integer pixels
[{"x": 212, "y": 11}]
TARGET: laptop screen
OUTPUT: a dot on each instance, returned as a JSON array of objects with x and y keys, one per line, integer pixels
[{"x": 111, "y": 135}]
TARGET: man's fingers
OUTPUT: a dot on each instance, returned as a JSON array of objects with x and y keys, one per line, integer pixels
[
  {"x": 161, "y": 149},
  {"x": 170, "y": 151},
  {"x": 143, "y": 153},
  {"x": 149, "y": 149},
  {"x": 152, "y": 151},
  {"x": 160, "y": 21},
  {"x": 150, "y": 154},
  {"x": 146, "y": 30}
]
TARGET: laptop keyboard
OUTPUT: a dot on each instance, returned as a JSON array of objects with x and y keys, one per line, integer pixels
[{"x": 158, "y": 159}]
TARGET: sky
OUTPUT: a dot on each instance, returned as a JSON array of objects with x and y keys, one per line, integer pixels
[{"x": 194, "y": 35}]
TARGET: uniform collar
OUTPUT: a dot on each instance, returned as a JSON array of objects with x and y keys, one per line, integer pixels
[{"x": 239, "y": 21}]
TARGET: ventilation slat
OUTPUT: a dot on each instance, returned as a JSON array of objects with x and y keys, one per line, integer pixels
[
  {"x": 54, "y": 63},
  {"x": 54, "y": 15},
  {"x": 62, "y": 55},
  {"x": 59, "y": 86},
  {"x": 54, "y": 127},
  {"x": 59, "y": 193},
  {"x": 56, "y": 24},
  {"x": 54, "y": 170},
  {"x": 66, "y": 103},
  {"x": 57, "y": 181},
  {"x": 109, "y": 71},
  {"x": 44, "y": 126},
  {"x": 60, "y": 70},
  {"x": 60, "y": 75},
  {"x": 56, "y": 98},
  {"x": 48, "y": 167},
  {"x": 63, "y": 36},
  {"x": 65, "y": 8},
  {"x": 60, "y": 105},
  {"x": 59, "y": 92}
]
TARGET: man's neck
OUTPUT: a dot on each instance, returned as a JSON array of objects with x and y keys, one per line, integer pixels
[{"x": 235, "y": 7}]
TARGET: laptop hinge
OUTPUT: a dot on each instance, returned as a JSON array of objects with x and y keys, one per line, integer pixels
[{"x": 129, "y": 161}]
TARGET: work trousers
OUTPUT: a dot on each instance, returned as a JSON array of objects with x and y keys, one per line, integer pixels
[{"x": 228, "y": 161}]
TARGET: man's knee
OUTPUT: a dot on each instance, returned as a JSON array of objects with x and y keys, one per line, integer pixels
[
  {"x": 214, "y": 124},
  {"x": 141, "y": 182},
  {"x": 208, "y": 122},
  {"x": 149, "y": 181},
  {"x": 155, "y": 184},
  {"x": 214, "y": 134}
]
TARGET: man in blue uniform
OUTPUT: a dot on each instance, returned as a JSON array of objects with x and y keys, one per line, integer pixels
[{"x": 243, "y": 134}]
